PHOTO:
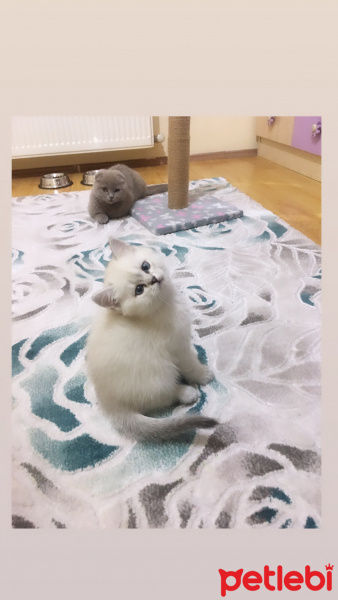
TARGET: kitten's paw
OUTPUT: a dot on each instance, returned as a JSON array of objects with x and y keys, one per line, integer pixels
[
  {"x": 188, "y": 394},
  {"x": 205, "y": 376},
  {"x": 102, "y": 219}
]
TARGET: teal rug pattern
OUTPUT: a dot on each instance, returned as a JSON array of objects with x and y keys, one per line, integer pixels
[{"x": 254, "y": 288}]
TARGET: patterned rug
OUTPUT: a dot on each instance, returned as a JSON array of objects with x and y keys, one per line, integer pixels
[{"x": 253, "y": 284}]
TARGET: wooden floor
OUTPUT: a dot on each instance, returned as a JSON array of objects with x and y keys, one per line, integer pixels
[{"x": 293, "y": 197}]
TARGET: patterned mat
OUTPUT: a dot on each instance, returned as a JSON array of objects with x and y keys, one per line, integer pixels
[
  {"x": 203, "y": 208},
  {"x": 253, "y": 285}
]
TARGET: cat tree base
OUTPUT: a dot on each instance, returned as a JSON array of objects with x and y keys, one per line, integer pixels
[
  {"x": 185, "y": 205},
  {"x": 203, "y": 209}
]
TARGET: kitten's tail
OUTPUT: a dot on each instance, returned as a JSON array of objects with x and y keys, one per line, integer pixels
[
  {"x": 157, "y": 188},
  {"x": 142, "y": 428}
]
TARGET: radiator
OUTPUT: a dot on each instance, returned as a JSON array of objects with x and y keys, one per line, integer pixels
[{"x": 40, "y": 136}]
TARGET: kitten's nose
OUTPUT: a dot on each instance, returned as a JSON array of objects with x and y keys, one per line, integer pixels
[{"x": 153, "y": 280}]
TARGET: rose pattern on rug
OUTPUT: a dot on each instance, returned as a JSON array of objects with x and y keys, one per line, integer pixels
[{"x": 254, "y": 287}]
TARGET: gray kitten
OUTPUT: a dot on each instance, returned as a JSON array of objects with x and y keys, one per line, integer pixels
[{"x": 115, "y": 191}]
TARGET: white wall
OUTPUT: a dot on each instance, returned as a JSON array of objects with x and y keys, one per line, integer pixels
[{"x": 217, "y": 134}]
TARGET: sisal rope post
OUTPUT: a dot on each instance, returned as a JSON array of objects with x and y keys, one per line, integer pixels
[{"x": 178, "y": 161}]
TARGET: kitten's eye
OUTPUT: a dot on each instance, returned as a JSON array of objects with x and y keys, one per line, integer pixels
[
  {"x": 145, "y": 266},
  {"x": 117, "y": 190},
  {"x": 104, "y": 189},
  {"x": 139, "y": 290}
]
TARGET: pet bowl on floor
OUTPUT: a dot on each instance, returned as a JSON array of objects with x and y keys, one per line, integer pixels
[
  {"x": 89, "y": 177},
  {"x": 54, "y": 181}
]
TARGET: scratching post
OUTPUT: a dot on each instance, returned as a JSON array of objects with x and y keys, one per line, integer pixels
[
  {"x": 178, "y": 162},
  {"x": 199, "y": 204}
]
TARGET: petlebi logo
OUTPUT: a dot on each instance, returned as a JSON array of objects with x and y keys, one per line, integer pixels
[{"x": 276, "y": 579}]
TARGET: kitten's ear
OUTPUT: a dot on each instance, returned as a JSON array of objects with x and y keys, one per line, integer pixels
[
  {"x": 119, "y": 248},
  {"x": 99, "y": 174},
  {"x": 106, "y": 298}
]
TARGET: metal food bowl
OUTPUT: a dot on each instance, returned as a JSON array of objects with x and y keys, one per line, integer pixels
[
  {"x": 89, "y": 177},
  {"x": 54, "y": 181}
]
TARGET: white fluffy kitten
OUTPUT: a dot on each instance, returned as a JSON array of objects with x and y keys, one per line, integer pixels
[{"x": 139, "y": 345}]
